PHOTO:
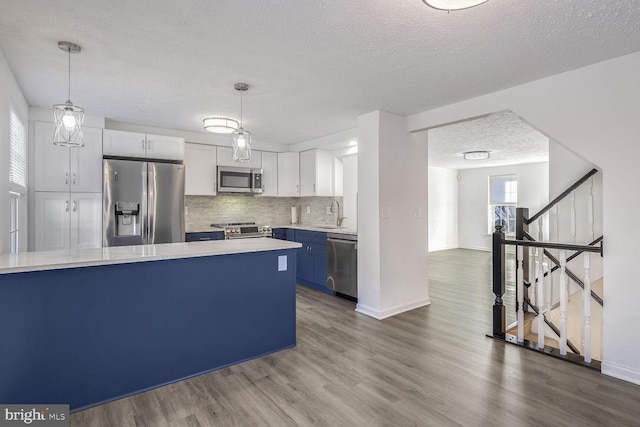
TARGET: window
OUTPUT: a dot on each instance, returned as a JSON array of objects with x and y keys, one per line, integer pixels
[
  {"x": 503, "y": 199},
  {"x": 17, "y": 176}
]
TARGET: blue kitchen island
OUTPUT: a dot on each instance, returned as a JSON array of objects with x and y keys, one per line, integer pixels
[{"x": 89, "y": 326}]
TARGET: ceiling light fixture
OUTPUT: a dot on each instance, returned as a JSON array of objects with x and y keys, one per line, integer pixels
[
  {"x": 476, "y": 155},
  {"x": 453, "y": 4},
  {"x": 241, "y": 137},
  {"x": 217, "y": 124},
  {"x": 68, "y": 117}
]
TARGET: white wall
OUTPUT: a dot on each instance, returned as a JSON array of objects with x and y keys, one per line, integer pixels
[
  {"x": 9, "y": 89},
  {"x": 443, "y": 209},
  {"x": 350, "y": 191},
  {"x": 473, "y": 219},
  {"x": 594, "y": 112},
  {"x": 392, "y": 216}
]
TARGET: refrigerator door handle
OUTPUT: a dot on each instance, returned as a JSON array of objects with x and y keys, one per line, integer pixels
[{"x": 152, "y": 186}]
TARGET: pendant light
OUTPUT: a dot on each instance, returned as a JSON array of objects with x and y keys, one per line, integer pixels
[
  {"x": 453, "y": 4},
  {"x": 241, "y": 137},
  {"x": 68, "y": 117}
]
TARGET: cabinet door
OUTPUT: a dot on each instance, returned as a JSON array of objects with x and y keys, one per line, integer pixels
[
  {"x": 319, "y": 255},
  {"x": 225, "y": 158},
  {"x": 308, "y": 173},
  {"x": 126, "y": 144},
  {"x": 51, "y": 161},
  {"x": 165, "y": 147},
  {"x": 85, "y": 163},
  {"x": 52, "y": 220},
  {"x": 304, "y": 265},
  {"x": 86, "y": 220},
  {"x": 316, "y": 173},
  {"x": 288, "y": 174},
  {"x": 200, "y": 170},
  {"x": 269, "y": 174}
]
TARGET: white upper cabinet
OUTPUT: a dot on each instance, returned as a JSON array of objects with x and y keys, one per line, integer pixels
[
  {"x": 131, "y": 144},
  {"x": 165, "y": 147},
  {"x": 288, "y": 174},
  {"x": 59, "y": 168},
  {"x": 269, "y": 174},
  {"x": 316, "y": 173},
  {"x": 225, "y": 158},
  {"x": 200, "y": 170}
]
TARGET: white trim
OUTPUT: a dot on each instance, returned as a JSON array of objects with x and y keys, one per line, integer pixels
[
  {"x": 476, "y": 248},
  {"x": 445, "y": 248},
  {"x": 621, "y": 372},
  {"x": 377, "y": 314}
]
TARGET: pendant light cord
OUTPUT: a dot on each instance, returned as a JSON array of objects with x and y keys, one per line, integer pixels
[
  {"x": 69, "y": 52},
  {"x": 241, "y": 109}
]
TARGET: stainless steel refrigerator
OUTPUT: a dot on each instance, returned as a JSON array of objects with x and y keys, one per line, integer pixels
[{"x": 143, "y": 202}]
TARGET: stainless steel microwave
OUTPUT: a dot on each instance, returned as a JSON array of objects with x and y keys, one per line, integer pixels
[{"x": 239, "y": 180}]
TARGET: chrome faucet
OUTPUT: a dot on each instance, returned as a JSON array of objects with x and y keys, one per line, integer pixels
[{"x": 339, "y": 219}]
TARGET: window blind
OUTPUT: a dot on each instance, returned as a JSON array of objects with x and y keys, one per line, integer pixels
[
  {"x": 17, "y": 149},
  {"x": 503, "y": 189}
]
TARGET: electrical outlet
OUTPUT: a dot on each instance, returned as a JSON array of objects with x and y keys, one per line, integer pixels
[
  {"x": 186, "y": 210},
  {"x": 308, "y": 209},
  {"x": 328, "y": 210}
]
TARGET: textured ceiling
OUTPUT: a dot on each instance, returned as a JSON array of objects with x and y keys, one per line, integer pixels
[
  {"x": 508, "y": 139},
  {"x": 313, "y": 66}
]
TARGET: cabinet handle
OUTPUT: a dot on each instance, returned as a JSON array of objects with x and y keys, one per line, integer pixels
[
  {"x": 148, "y": 145},
  {"x": 297, "y": 189},
  {"x": 143, "y": 145},
  {"x": 66, "y": 177},
  {"x": 66, "y": 206},
  {"x": 314, "y": 189},
  {"x": 75, "y": 206},
  {"x": 73, "y": 178},
  {"x": 205, "y": 238}
]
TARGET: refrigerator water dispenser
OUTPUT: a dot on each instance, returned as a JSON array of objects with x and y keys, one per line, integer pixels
[{"x": 128, "y": 223}]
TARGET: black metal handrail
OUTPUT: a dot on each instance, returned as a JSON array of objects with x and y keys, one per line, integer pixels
[
  {"x": 549, "y": 245},
  {"x": 564, "y": 194}
]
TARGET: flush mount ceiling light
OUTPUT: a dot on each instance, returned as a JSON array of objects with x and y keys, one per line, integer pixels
[
  {"x": 241, "y": 137},
  {"x": 453, "y": 4},
  {"x": 476, "y": 155},
  {"x": 217, "y": 124},
  {"x": 68, "y": 117}
]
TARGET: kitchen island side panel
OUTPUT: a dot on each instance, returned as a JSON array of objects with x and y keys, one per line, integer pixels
[{"x": 84, "y": 336}]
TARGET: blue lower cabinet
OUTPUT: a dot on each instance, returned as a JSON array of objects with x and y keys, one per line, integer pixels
[
  {"x": 312, "y": 260},
  {"x": 279, "y": 233},
  {"x": 200, "y": 237}
]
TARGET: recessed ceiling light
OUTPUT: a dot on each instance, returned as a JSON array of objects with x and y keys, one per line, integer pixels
[
  {"x": 476, "y": 155},
  {"x": 453, "y": 4}
]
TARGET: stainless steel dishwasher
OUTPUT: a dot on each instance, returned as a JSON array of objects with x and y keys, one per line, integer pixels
[{"x": 342, "y": 264}]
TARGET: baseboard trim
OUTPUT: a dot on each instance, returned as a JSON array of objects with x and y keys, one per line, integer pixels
[
  {"x": 379, "y": 315},
  {"x": 621, "y": 372},
  {"x": 475, "y": 248},
  {"x": 444, "y": 248}
]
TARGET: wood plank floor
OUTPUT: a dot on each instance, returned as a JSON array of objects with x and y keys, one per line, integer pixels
[{"x": 430, "y": 367}]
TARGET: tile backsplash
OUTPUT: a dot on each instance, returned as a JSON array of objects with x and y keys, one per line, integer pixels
[{"x": 205, "y": 210}]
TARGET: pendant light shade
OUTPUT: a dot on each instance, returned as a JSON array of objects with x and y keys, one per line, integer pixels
[
  {"x": 241, "y": 138},
  {"x": 68, "y": 117},
  {"x": 453, "y": 4},
  {"x": 218, "y": 124}
]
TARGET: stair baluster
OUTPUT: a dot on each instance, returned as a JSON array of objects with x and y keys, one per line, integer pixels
[
  {"x": 540, "y": 297},
  {"x": 573, "y": 216},
  {"x": 563, "y": 302},
  {"x": 587, "y": 309},
  {"x": 520, "y": 291},
  {"x": 590, "y": 209}
]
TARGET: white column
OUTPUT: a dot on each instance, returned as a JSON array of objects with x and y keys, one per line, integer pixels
[
  {"x": 393, "y": 225},
  {"x": 590, "y": 210},
  {"x": 573, "y": 215}
]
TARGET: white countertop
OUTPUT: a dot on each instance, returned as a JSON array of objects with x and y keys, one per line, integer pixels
[
  {"x": 322, "y": 228},
  {"x": 53, "y": 260}
]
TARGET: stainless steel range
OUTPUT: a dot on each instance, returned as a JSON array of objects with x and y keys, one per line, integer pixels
[{"x": 244, "y": 230}]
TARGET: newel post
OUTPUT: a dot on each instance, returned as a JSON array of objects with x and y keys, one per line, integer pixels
[{"x": 499, "y": 315}]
